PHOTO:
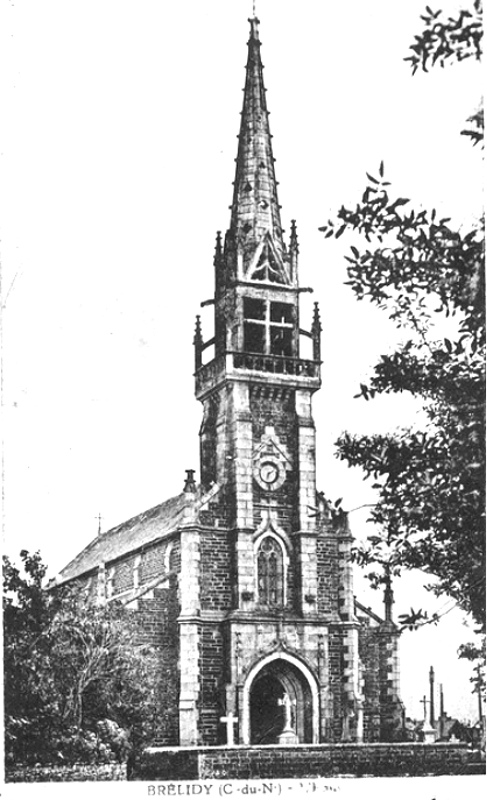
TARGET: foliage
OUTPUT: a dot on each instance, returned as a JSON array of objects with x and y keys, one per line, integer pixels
[
  {"x": 476, "y": 653},
  {"x": 27, "y": 612},
  {"x": 451, "y": 39},
  {"x": 79, "y": 686},
  {"x": 421, "y": 270},
  {"x": 447, "y": 39},
  {"x": 430, "y": 482}
]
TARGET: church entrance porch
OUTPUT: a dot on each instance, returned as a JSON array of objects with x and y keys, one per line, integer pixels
[{"x": 280, "y": 703}]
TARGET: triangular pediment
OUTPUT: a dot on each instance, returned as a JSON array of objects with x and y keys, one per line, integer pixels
[
  {"x": 270, "y": 446},
  {"x": 267, "y": 264}
]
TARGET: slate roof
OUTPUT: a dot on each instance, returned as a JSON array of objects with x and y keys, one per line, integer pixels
[{"x": 127, "y": 537}]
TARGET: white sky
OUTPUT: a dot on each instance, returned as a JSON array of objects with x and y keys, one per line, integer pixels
[{"x": 117, "y": 156}]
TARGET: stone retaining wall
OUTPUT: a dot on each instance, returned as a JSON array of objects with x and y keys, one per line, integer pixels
[{"x": 306, "y": 761}]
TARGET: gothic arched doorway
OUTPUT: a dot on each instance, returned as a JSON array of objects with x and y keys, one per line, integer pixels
[{"x": 280, "y": 691}]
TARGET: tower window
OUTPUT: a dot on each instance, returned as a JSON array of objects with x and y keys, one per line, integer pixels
[
  {"x": 281, "y": 341},
  {"x": 268, "y": 327},
  {"x": 282, "y": 312},
  {"x": 254, "y": 309},
  {"x": 270, "y": 572},
  {"x": 254, "y": 337}
]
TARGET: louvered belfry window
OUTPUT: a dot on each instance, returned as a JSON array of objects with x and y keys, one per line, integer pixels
[{"x": 270, "y": 572}]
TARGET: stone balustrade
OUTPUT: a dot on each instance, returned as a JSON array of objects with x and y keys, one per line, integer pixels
[{"x": 233, "y": 362}]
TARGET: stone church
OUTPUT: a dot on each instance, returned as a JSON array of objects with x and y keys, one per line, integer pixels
[{"x": 243, "y": 582}]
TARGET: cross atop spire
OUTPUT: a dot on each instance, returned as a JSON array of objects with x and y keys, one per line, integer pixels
[{"x": 255, "y": 206}]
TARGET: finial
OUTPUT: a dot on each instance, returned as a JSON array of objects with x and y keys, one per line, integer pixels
[
  {"x": 190, "y": 483},
  {"x": 316, "y": 317},
  {"x": 388, "y": 595},
  {"x": 99, "y": 518},
  {"x": 198, "y": 344},
  {"x": 218, "y": 244}
]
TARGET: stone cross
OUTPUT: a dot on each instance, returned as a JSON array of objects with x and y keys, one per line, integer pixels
[
  {"x": 429, "y": 732},
  {"x": 230, "y": 720}
]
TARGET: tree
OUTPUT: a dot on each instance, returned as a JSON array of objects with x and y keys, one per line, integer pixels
[
  {"x": 431, "y": 483},
  {"x": 101, "y": 668},
  {"x": 79, "y": 685},
  {"x": 27, "y": 611}
]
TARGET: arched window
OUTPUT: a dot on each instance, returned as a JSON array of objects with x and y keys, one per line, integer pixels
[{"x": 270, "y": 572}]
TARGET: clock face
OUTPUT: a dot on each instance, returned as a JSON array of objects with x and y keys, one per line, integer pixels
[{"x": 269, "y": 473}]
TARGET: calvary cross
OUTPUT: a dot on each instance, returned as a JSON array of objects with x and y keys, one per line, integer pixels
[
  {"x": 424, "y": 702},
  {"x": 230, "y": 721}
]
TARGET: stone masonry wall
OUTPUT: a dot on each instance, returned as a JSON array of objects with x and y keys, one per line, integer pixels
[
  {"x": 56, "y": 773},
  {"x": 123, "y": 577},
  {"x": 392, "y": 710},
  {"x": 212, "y": 686},
  {"x": 215, "y": 564},
  {"x": 328, "y": 577},
  {"x": 159, "y": 627},
  {"x": 310, "y": 761},
  {"x": 370, "y": 657},
  {"x": 336, "y": 682},
  {"x": 152, "y": 562}
]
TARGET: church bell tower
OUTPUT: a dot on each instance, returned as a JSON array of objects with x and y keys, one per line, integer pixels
[
  {"x": 271, "y": 650},
  {"x": 257, "y": 444},
  {"x": 257, "y": 435}
]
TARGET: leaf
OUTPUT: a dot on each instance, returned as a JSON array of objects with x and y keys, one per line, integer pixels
[
  {"x": 401, "y": 201},
  {"x": 381, "y": 169},
  {"x": 374, "y": 180}
]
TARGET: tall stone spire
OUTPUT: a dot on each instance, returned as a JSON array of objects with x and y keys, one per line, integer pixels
[{"x": 255, "y": 209}]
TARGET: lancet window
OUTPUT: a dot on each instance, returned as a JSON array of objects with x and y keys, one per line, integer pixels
[{"x": 270, "y": 572}]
